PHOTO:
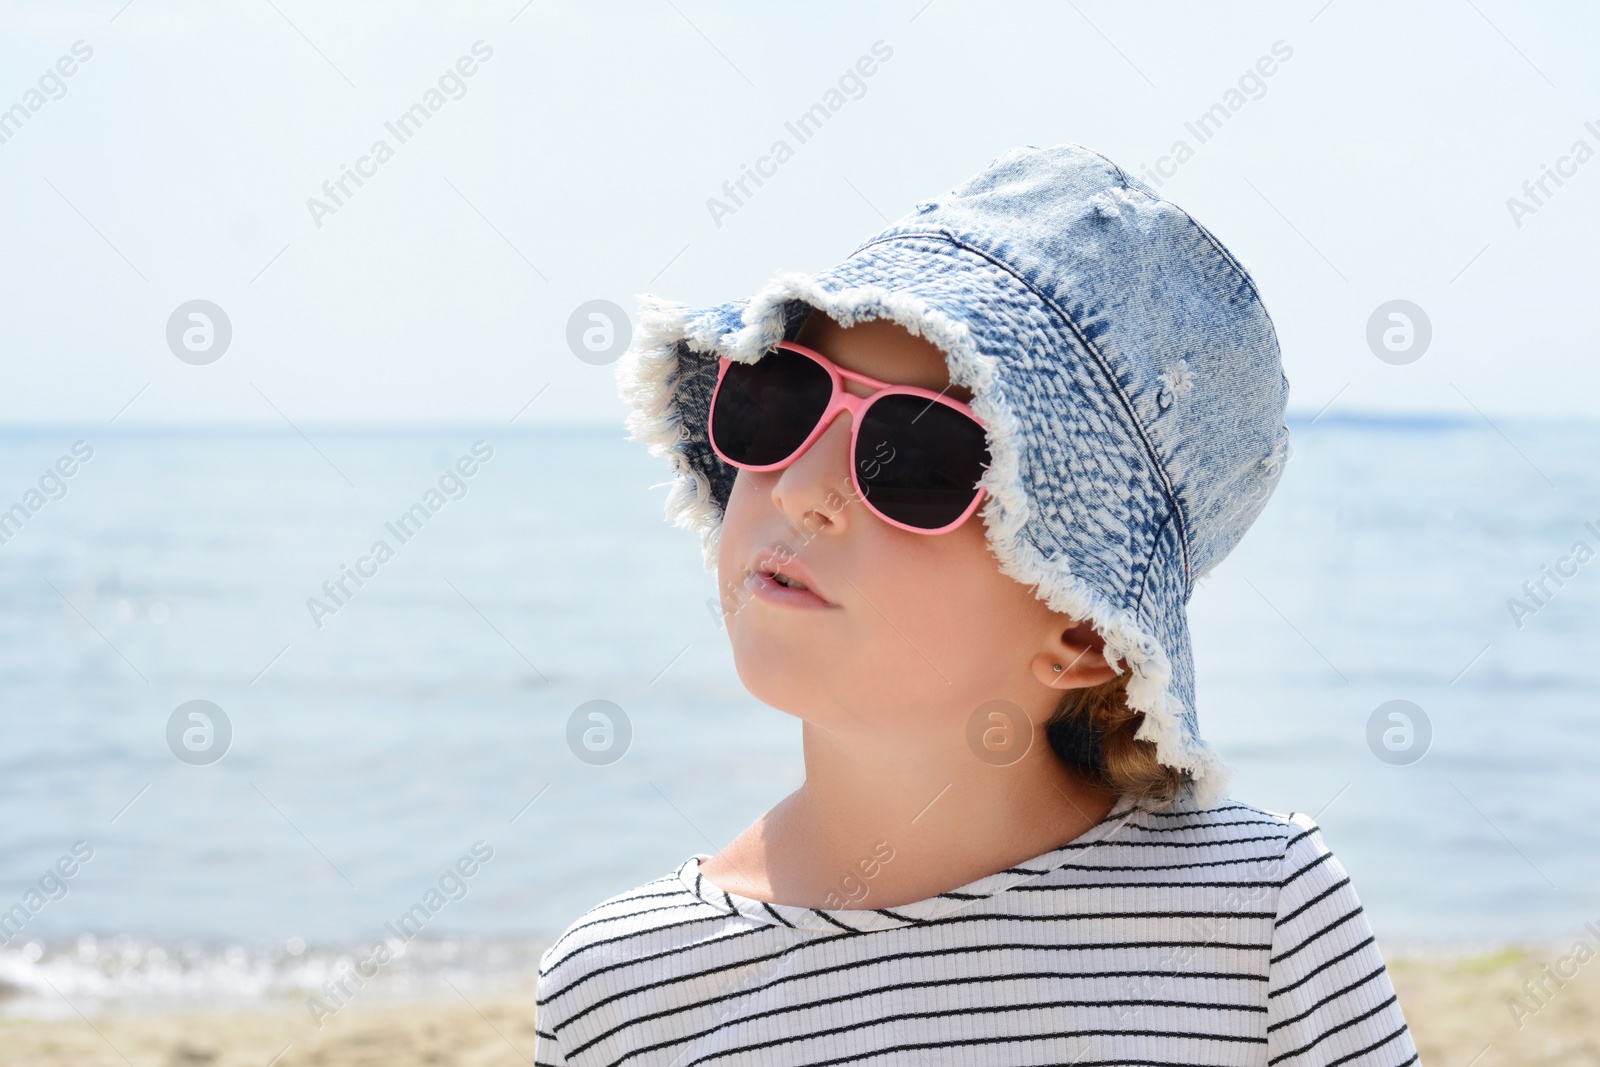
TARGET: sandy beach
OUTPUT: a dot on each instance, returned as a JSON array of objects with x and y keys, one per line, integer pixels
[
  {"x": 1459, "y": 1011},
  {"x": 396, "y": 1034}
]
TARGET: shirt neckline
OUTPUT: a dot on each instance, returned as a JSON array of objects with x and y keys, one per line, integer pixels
[{"x": 861, "y": 920}]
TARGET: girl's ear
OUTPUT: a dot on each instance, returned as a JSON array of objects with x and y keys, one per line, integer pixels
[{"x": 1074, "y": 658}]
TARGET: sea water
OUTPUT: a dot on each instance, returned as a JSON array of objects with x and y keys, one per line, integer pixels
[{"x": 384, "y": 732}]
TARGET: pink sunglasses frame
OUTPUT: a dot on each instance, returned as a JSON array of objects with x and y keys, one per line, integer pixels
[{"x": 839, "y": 401}]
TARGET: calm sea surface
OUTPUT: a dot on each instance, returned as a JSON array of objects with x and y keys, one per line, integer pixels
[{"x": 429, "y": 709}]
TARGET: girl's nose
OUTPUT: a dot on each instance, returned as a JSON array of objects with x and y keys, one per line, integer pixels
[{"x": 814, "y": 491}]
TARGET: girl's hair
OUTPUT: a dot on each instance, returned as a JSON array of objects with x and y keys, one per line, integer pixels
[{"x": 1092, "y": 732}]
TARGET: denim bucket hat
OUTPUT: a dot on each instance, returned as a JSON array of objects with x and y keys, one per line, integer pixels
[{"x": 1120, "y": 357}]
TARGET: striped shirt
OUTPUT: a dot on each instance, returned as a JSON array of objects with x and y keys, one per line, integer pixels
[{"x": 1229, "y": 936}]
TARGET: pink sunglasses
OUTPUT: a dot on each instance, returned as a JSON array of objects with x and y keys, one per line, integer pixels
[{"x": 917, "y": 455}]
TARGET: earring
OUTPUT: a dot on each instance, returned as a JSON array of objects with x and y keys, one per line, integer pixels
[{"x": 1058, "y": 668}]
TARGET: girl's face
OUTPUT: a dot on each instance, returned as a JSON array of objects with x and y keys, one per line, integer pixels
[{"x": 901, "y": 629}]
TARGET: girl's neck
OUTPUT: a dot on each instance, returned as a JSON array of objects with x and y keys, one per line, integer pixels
[{"x": 880, "y": 822}]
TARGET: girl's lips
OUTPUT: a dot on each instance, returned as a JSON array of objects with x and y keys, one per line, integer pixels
[{"x": 771, "y": 591}]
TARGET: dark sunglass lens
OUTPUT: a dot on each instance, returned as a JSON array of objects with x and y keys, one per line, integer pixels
[
  {"x": 918, "y": 461},
  {"x": 766, "y": 409}
]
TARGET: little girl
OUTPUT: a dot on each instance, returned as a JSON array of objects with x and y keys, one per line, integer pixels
[{"x": 958, "y": 490}]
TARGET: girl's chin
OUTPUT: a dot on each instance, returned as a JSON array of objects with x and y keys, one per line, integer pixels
[{"x": 780, "y": 675}]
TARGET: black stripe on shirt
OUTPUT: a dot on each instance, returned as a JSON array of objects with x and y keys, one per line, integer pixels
[{"x": 1320, "y": 1038}]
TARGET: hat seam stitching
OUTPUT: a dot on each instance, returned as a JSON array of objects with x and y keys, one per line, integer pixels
[
  {"x": 1105, "y": 370},
  {"x": 1239, "y": 268},
  {"x": 1129, "y": 185},
  {"x": 1132, "y": 185},
  {"x": 1150, "y": 560}
]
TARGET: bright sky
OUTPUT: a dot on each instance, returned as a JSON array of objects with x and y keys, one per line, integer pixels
[{"x": 576, "y": 160}]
